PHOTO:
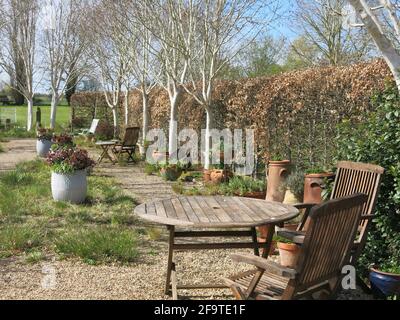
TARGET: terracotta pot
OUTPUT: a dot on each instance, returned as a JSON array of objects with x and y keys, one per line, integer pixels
[
  {"x": 254, "y": 195},
  {"x": 278, "y": 171},
  {"x": 207, "y": 176},
  {"x": 313, "y": 186},
  {"x": 217, "y": 176},
  {"x": 291, "y": 226},
  {"x": 289, "y": 254}
]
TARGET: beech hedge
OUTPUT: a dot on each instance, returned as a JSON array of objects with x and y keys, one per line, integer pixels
[{"x": 294, "y": 114}]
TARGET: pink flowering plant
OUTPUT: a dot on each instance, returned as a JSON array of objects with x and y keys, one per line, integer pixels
[
  {"x": 63, "y": 141},
  {"x": 66, "y": 161}
]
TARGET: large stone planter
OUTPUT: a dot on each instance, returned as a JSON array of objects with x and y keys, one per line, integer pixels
[
  {"x": 69, "y": 187},
  {"x": 43, "y": 147}
]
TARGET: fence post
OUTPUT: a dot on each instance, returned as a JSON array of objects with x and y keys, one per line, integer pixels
[{"x": 38, "y": 118}]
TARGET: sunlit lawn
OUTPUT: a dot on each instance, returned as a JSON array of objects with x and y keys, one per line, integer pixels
[
  {"x": 34, "y": 226},
  {"x": 63, "y": 115}
]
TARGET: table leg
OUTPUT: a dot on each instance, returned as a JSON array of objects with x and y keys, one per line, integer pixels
[
  {"x": 268, "y": 242},
  {"x": 255, "y": 240},
  {"x": 105, "y": 154},
  {"x": 171, "y": 265},
  {"x": 174, "y": 282}
]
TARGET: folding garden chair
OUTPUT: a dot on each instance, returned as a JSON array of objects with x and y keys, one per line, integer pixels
[
  {"x": 325, "y": 251},
  {"x": 128, "y": 144}
]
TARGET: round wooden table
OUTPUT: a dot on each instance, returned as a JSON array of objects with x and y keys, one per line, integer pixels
[{"x": 214, "y": 213}]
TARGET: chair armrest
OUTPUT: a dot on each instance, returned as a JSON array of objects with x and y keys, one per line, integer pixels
[
  {"x": 368, "y": 217},
  {"x": 265, "y": 264},
  {"x": 296, "y": 237},
  {"x": 301, "y": 206}
]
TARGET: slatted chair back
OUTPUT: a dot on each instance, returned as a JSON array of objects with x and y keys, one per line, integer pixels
[
  {"x": 131, "y": 137},
  {"x": 328, "y": 241},
  {"x": 364, "y": 178}
]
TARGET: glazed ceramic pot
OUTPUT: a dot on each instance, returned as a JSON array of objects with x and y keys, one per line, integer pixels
[
  {"x": 69, "y": 187},
  {"x": 384, "y": 284}
]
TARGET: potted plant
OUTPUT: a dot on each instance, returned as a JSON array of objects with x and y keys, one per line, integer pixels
[
  {"x": 314, "y": 184},
  {"x": 44, "y": 142},
  {"x": 294, "y": 188},
  {"x": 63, "y": 141},
  {"x": 171, "y": 172},
  {"x": 247, "y": 187},
  {"x": 385, "y": 281},
  {"x": 69, "y": 174},
  {"x": 288, "y": 252}
]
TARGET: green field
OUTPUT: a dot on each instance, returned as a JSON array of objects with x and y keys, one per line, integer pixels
[{"x": 63, "y": 115}]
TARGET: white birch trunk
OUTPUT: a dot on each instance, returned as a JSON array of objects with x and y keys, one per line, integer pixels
[
  {"x": 29, "y": 123},
  {"x": 383, "y": 43},
  {"x": 126, "y": 106},
  {"x": 146, "y": 116},
  {"x": 209, "y": 127},
  {"x": 53, "y": 110},
  {"x": 173, "y": 131},
  {"x": 115, "y": 120}
]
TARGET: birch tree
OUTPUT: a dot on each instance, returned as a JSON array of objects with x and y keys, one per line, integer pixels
[
  {"x": 19, "y": 48},
  {"x": 110, "y": 55},
  {"x": 380, "y": 19},
  {"x": 63, "y": 46},
  {"x": 320, "y": 27},
  {"x": 222, "y": 28},
  {"x": 172, "y": 25},
  {"x": 145, "y": 66}
]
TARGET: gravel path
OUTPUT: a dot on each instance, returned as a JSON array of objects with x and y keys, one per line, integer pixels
[
  {"x": 17, "y": 151},
  {"x": 72, "y": 279}
]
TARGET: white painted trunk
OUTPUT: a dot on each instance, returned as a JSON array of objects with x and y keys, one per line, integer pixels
[
  {"x": 207, "y": 149},
  {"x": 115, "y": 121},
  {"x": 29, "y": 122},
  {"x": 53, "y": 111},
  {"x": 126, "y": 106},
  {"x": 146, "y": 116},
  {"x": 173, "y": 130},
  {"x": 375, "y": 29}
]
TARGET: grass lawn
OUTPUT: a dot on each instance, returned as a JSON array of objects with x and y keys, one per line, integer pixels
[
  {"x": 34, "y": 226},
  {"x": 63, "y": 115}
]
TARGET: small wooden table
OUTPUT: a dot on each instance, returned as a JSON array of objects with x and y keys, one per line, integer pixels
[
  {"x": 105, "y": 146},
  {"x": 214, "y": 213}
]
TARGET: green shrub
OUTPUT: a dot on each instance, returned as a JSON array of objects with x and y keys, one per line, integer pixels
[{"x": 378, "y": 141}]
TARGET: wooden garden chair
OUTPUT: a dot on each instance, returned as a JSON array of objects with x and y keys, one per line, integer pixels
[
  {"x": 325, "y": 251},
  {"x": 128, "y": 145},
  {"x": 351, "y": 178}
]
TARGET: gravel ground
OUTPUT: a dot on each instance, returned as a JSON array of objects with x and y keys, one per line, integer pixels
[{"x": 70, "y": 279}]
